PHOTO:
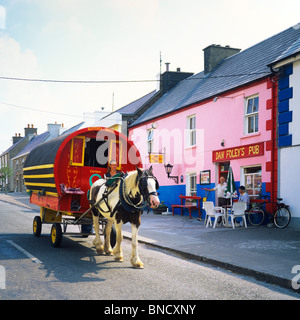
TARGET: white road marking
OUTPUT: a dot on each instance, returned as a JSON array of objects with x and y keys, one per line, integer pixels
[{"x": 29, "y": 255}]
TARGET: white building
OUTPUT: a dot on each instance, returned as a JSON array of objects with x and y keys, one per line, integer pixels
[{"x": 288, "y": 68}]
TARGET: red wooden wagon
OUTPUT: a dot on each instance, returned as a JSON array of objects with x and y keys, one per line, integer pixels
[{"x": 59, "y": 173}]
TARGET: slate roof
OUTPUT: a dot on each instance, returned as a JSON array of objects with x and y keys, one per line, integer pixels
[
  {"x": 240, "y": 69},
  {"x": 12, "y": 146},
  {"x": 34, "y": 142},
  {"x": 74, "y": 128},
  {"x": 290, "y": 51},
  {"x": 134, "y": 106}
]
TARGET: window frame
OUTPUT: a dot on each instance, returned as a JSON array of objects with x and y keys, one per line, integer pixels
[
  {"x": 150, "y": 134},
  {"x": 251, "y": 117},
  {"x": 191, "y": 128},
  {"x": 189, "y": 190}
]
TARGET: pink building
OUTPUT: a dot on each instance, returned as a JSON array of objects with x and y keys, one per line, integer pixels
[{"x": 225, "y": 115}]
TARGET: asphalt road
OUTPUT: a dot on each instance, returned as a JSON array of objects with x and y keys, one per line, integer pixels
[{"x": 31, "y": 269}]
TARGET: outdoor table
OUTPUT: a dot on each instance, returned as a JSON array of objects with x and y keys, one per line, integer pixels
[{"x": 227, "y": 207}]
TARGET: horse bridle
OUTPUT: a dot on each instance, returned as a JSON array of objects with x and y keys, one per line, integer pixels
[{"x": 143, "y": 186}]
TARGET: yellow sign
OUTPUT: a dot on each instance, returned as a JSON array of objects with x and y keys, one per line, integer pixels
[{"x": 156, "y": 158}]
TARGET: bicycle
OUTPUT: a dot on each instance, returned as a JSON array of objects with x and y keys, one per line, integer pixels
[{"x": 281, "y": 214}]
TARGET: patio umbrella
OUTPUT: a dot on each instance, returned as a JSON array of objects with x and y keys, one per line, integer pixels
[{"x": 230, "y": 191}]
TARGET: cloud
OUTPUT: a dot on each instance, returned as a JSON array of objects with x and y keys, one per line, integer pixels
[{"x": 2, "y": 17}]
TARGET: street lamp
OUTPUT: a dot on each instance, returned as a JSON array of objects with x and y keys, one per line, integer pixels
[{"x": 169, "y": 169}]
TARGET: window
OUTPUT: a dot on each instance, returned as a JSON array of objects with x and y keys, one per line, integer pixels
[
  {"x": 150, "y": 140},
  {"x": 251, "y": 115},
  {"x": 191, "y": 184},
  {"x": 90, "y": 153},
  {"x": 253, "y": 182},
  {"x": 191, "y": 126}
]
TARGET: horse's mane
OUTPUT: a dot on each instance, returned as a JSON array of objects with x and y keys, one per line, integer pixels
[{"x": 131, "y": 182}]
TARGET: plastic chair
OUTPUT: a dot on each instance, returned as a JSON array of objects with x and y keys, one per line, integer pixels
[
  {"x": 212, "y": 212},
  {"x": 239, "y": 209}
]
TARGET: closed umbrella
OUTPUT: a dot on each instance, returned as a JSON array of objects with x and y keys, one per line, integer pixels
[{"x": 230, "y": 191}]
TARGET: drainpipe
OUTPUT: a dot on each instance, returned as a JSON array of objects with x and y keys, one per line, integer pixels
[{"x": 274, "y": 148}]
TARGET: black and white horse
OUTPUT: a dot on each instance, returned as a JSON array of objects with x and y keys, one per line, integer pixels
[{"x": 120, "y": 204}]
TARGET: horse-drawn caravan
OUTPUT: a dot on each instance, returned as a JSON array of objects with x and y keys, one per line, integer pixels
[{"x": 64, "y": 176}]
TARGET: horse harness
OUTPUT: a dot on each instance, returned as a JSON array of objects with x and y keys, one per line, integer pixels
[{"x": 125, "y": 201}]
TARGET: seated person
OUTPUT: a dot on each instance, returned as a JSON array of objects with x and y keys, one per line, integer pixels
[
  {"x": 112, "y": 169},
  {"x": 244, "y": 196},
  {"x": 112, "y": 172}
]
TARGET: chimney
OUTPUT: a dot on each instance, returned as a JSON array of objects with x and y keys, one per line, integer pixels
[
  {"x": 54, "y": 129},
  {"x": 214, "y": 54},
  {"x": 30, "y": 130},
  {"x": 170, "y": 79},
  {"x": 16, "y": 138}
]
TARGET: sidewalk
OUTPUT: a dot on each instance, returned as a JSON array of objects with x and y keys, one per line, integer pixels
[{"x": 268, "y": 254}]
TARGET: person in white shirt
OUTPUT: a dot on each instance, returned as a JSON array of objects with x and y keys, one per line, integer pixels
[
  {"x": 220, "y": 189},
  {"x": 244, "y": 196}
]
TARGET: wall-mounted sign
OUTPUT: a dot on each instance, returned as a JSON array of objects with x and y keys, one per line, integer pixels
[
  {"x": 250, "y": 150},
  {"x": 155, "y": 158},
  {"x": 205, "y": 177}
]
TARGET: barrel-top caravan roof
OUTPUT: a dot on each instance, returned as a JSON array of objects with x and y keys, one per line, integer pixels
[{"x": 45, "y": 153}]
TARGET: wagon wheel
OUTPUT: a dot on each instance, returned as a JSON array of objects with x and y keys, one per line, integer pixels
[
  {"x": 56, "y": 235},
  {"x": 37, "y": 226}
]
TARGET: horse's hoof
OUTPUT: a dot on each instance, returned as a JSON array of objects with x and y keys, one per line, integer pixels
[
  {"x": 138, "y": 264},
  {"x": 100, "y": 250},
  {"x": 119, "y": 259}
]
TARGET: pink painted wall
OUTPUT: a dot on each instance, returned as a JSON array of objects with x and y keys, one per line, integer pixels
[{"x": 223, "y": 119}]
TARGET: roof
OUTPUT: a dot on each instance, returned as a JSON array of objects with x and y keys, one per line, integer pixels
[
  {"x": 13, "y": 146},
  {"x": 240, "y": 69},
  {"x": 73, "y": 129},
  {"x": 34, "y": 142},
  {"x": 134, "y": 106},
  {"x": 44, "y": 153},
  {"x": 290, "y": 51}
]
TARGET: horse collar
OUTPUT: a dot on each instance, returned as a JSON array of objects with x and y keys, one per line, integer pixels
[{"x": 126, "y": 202}]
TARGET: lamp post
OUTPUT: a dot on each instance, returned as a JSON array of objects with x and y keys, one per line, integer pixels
[{"x": 169, "y": 169}]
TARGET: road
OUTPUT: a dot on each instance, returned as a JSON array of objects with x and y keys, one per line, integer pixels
[{"x": 32, "y": 269}]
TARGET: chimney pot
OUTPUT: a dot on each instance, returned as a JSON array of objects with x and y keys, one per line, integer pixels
[
  {"x": 178, "y": 69},
  {"x": 167, "y": 66},
  {"x": 28, "y": 125}
]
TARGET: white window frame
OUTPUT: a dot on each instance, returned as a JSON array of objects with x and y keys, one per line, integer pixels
[
  {"x": 150, "y": 134},
  {"x": 251, "y": 115},
  {"x": 191, "y": 128},
  {"x": 189, "y": 190},
  {"x": 253, "y": 175}
]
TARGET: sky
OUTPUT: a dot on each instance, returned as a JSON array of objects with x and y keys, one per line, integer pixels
[{"x": 117, "y": 42}]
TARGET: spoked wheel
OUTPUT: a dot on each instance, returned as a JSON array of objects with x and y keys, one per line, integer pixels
[
  {"x": 56, "y": 235},
  {"x": 282, "y": 217},
  {"x": 256, "y": 216},
  {"x": 37, "y": 226}
]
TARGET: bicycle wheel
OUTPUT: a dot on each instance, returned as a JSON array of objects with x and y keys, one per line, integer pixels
[
  {"x": 282, "y": 217},
  {"x": 256, "y": 216}
]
